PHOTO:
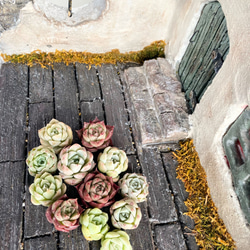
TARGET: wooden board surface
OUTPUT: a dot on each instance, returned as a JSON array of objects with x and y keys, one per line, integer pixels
[{"x": 34, "y": 96}]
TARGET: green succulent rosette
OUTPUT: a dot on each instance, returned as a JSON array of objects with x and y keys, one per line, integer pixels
[
  {"x": 116, "y": 239},
  {"x": 125, "y": 214},
  {"x": 75, "y": 162},
  {"x": 56, "y": 135},
  {"x": 112, "y": 162},
  {"x": 134, "y": 186},
  {"x": 41, "y": 159},
  {"x": 46, "y": 189},
  {"x": 94, "y": 224}
]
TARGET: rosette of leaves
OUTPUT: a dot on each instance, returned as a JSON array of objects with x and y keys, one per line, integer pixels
[
  {"x": 41, "y": 159},
  {"x": 64, "y": 214},
  {"x": 94, "y": 224},
  {"x": 95, "y": 135},
  {"x": 125, "y": 214},
  {"x": 97, "y": 190},
  {"x": 134, "y": 186},
  {"x": 56, "y": 135},
  {"x": 116, "y": 239},
  {"x": 46, "y": 189},
  {"x": 112, "y": 162},
  {"x": 74, "y": 163}
]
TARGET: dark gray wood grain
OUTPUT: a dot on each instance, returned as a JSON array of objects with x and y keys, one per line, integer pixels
[
  {"x": 88, "y": 83},
  {"x": 43, "y": 243},
  {"x": 141, "y": 237},
  {"x": 169, "y": 237},
  {"x": 73, "y": 240},
  {"x": 11, "y": 193},
  {"x": 40, "y": 87},
  {"x": 91, "y": 110},
  {"x": 116, "y": 114},
  {"x": 13, "y": 93},
  {"x": 35, "y": 222},
  {"x": 160, "y": 200},
  {"x": 66, "y": 100},
  {"x": 180, "y": 195}
]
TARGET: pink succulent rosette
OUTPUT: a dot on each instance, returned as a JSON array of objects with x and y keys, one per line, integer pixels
[
  {"x": 95, "y": 135},
  {"x": 97, "y": 190},
  {"x": 75, "y": 162},
  {"x": 64, "y": 214}
]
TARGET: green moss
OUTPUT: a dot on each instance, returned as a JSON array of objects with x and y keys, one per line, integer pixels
[{"x": 154, "y": 50}]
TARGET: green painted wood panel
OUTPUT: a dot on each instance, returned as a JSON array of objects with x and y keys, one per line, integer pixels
[{"x": 197, "y": 68}]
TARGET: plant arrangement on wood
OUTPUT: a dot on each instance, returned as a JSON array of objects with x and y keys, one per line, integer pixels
[{"x": 58, "y": 165}]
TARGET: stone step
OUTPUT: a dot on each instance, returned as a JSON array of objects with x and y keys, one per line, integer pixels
[{"x": 158, "y": 105}]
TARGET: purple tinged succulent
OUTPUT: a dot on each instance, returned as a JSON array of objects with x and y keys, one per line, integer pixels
[
  {"x": 64, "y": 214},
  {"x": 74, "y": 163},
  {"x": 97, "y": 190},
  {"x": 95, "y": 135}
]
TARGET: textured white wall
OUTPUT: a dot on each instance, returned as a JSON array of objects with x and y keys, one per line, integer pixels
[{"x": 222, "y": 103}]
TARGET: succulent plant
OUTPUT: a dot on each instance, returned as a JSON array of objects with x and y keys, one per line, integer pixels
[
  {"x": 64, "y": 214},
  {"x": 134, "y": 186},
  {"x": 41, "y": 159},
  {"x": 46, "y": 189},
  {"x": 56, "y": 135},
  {"x": 112, "y": 162},
  {"x": 94, "y": 224},
  {"x": 116, "y": 239},
  {"x": 125, "y": 214},
  {"x": 95, "y": 135},
  {"x": 74, "y": 163},
  {"x": 97, "y": 190}
]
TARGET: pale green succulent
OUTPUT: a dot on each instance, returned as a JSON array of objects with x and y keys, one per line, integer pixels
[
  {"x": 56, "y": 135},
  {"x": 75, "y": 162},
  {"x": 125, "y": 214},
  {"x": 112, "y": 162},
  {"x": 134, "y": 186},
  {"x": 41, "y": 159},
  {"x": 116, "y": 240},
  {"x": 94, "y": 224},
  {"x": 46, "y": 189}
]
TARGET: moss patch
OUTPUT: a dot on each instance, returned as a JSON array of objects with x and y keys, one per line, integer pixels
[
  {"x": 210, "y": 230},
  {"x": 154, "y": 50}
]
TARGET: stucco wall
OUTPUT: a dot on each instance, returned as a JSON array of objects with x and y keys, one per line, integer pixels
[{"x": 222, "y": 103}]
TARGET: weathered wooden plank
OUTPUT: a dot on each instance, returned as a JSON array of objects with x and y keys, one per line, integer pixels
[
  {"x": 88, "y": 83},
  {"x": 141, "y": 237},
  {"x": 13, "y": 93},
  {"x": 201, "y": 27},
  {"x": 35, "y": 222},
  {"x": 11, "y": 193},
  {"x": 133, "y": 165},
  {"x": 169, "y": 237},
  {"x": 180, "y": 196},
  {"x": 160, "y": 199},
  {"x": 66, "y": 101},
  {"x": 73, "y": 240},
  {"x": 40, "y": 88},
  {"x": 115, "y": 111},
  {"x": 91, "y": 110},
  {"x": 46, "y": 242}
]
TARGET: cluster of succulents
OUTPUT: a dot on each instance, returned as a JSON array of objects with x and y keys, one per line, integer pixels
[{"x": 56, "y": 162}]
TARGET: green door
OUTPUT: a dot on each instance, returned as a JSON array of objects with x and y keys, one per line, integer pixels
[{"x": 207, "y": 49}]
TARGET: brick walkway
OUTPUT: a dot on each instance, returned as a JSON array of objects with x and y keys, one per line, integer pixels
[{"x": 149, "y": 120}]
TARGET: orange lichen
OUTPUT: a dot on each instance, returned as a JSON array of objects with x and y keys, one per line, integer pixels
[
  {"x": 210, "y": 231},
  {"x": 154, "y": 50}
]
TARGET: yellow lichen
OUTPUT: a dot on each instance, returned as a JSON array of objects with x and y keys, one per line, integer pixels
[
  {"x": 154, "y": 50},
  {"x": 210, "y": 231}
]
